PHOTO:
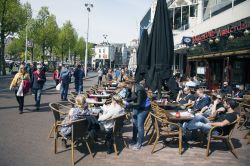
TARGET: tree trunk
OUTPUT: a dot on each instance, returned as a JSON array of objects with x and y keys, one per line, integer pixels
[
  {"x": 43, "y": 54},
  {"x": 2, "y": 59}
]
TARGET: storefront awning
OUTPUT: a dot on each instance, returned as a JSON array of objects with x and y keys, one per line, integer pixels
[{"x": 223, "y": 54}]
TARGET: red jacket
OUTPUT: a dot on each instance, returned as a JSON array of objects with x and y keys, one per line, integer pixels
[{"x": 56, "y": 75}]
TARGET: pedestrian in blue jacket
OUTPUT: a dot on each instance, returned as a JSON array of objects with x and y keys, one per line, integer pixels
[{"x": 79, "y": 74}]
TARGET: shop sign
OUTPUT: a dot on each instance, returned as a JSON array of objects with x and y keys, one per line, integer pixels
[{"x": 220, "y": 32}]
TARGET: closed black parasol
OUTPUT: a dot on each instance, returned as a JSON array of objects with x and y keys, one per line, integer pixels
[
  {"x": 160, "y": 48},
  {"x": 142, "y": 60}
]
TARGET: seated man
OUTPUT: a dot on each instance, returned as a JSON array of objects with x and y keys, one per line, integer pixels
[
  {"x": 202, "y": 101},
  {"x": 204, "y": 124},
  {"x": 186, "y": 98},
  {"x": 213, "y": 109},
  {"x": 241, "y": 92},
  {"x": 226, "y": 89}
]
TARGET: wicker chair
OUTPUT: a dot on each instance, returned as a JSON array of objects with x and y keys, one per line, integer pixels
[
  {"x": 72, "y": 102},
  {"x": 117, "y": 131},
  {"x": 226, "y": 137},
  {"x": 55, "y": 108},
  {"x": 162, "y": 129},
  {"x": 73, "y": 94},
  {"x": 79, "y": 134},
  {"x": 244, "y": 115},
  {"x": 161, "y": 126}
]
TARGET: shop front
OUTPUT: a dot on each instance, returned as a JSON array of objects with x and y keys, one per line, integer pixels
[{"x": 222, "y": 54}]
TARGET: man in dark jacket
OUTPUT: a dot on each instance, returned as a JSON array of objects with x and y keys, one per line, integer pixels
[
  {"x": 66, "y": 79},
  {"x": 226, "y": 88},
  {"x": 37, "y": 82},
  {"x": 79, "y": 74},
  {"x": 141, "y": 106}
]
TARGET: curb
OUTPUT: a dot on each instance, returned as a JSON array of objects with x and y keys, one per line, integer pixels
[{"x": 70, "y": 82}]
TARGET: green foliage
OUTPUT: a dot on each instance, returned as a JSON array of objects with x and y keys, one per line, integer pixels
[
  {"x": 13, "y": 18},
  {"x": 45, "y": 31},
  {"x": 15, "y": 48},
  {"x": 67, "y": 39}
]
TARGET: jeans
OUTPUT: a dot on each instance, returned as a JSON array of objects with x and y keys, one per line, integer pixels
[
  {"x": 199, "y": 122},
  {"x": 38, "y": 94},
  {"x": 78, "y": 88},
  {"x": 139, "y": 117},
  {"x": 64, "y": 91},
  {"x": 20, "y": 100}
]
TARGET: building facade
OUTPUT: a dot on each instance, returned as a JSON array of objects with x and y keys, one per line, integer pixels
[{"x": 211, "y": 39}]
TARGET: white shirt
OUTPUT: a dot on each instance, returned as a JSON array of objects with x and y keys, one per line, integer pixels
[
  {"x": 191, "y": 84},
  {"x": 110, "y": 111}
]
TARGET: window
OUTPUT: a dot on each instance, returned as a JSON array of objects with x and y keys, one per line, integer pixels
[
  {"x": 104, "y": 50},
  {"x": 99, "y": 56},
  {"x": 100, "y": 50}
]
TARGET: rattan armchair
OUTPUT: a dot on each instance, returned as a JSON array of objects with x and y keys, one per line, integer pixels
[
  {"x": 162, "y": 129},
  {"x": 244, "y": 114},
  {"x": 79, "y": 134},
  {"x": 55, "y": 108},
  {"x": 226, "y": 137}
]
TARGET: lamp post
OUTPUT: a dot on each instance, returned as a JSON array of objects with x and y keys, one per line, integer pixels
[
  {"x": 88, "y": 6},
  {"x": 26, "y": 44}
]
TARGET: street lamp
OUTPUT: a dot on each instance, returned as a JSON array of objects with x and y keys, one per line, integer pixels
[{"x": 88, "y": 6}]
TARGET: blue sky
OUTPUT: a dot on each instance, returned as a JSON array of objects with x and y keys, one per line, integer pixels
[{"x": 117, "y": 18}]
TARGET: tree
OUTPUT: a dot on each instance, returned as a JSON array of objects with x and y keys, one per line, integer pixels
[
  {"x": 79, "y": 49},
  {"x": 13, "y": 18},
  {"x": 15, "y": 48},
  {"x": 67, "y": 39},
  {"x": 45, "y": 31}
]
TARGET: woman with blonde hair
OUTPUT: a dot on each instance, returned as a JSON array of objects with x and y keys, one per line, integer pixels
[
  {"x": 17, "y": 84},
  {"x": 74, "y": 114}
]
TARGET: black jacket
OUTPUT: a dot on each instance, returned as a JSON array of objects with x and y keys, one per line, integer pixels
[
  {"x": 139, "y": 97},
  {"x": 38, "y": 84}
]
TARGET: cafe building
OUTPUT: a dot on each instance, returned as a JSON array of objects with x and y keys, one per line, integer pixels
[{"x": 222, "y": 54}]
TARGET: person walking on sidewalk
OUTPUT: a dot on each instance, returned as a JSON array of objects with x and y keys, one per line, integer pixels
[
  {"x": 17, "y": 85},
  {"x": 79, "y": 74},
  {"x": 56, "y": 75},
  {"x": 66, "y": 79},
  {"x": 100, "y": 74},
  {"x": 38, "y": 80}
]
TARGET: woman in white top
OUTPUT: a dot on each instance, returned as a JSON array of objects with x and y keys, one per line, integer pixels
[{"x": 106, "y": 119}]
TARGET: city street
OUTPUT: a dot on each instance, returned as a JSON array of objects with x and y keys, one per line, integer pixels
[{"x": 24, "y": 142}]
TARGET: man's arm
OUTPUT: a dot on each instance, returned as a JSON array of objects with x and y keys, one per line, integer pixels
[{"x": 220, "y": 124}]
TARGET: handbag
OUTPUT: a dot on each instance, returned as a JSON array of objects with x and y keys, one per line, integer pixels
[
  {"x": 58, "y": 87},
  {"x": 20, "y": 90}
]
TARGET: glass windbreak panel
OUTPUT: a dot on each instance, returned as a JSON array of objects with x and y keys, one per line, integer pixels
[{"x": 238, "y": 67}]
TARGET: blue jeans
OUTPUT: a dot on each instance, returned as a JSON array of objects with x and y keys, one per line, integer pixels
[
  {"x": 139, "y": 117},
  {"x": 199, "y": 122},
  {"x": 38, "y": 94},
  {"x": 78, "y": 88},
  {"x": 64, "y": 91}
]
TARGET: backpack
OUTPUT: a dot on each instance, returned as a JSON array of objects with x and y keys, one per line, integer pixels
[{"x": 66, "y": 76}]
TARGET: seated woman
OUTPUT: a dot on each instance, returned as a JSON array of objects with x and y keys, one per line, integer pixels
[
  {"x": 106, "y": 121},
  {"x": 73, "y": 115}
]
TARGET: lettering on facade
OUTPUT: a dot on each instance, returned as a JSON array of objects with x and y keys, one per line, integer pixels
[{"x": 220, "y": 32}]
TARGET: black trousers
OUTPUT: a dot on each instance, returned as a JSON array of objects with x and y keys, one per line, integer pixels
[{"x": 20, "y": 101}]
